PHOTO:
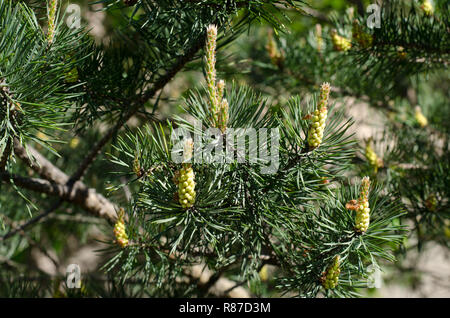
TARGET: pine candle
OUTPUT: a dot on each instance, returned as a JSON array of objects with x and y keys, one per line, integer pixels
[
  {"x": 317, "y": 127},
  {"x": 420, "y": 117},
  {"x": 340, "y": 43},
  {"x": 372, "y": 157},
  {"x": 363, "y": 211},
  {"x": 331, "y": 276},
  {"x": 51, "y": 20},
  {"x": 185, "y": 178},
  {"x": 427, "y": 7},
  {"x": 120, "y": 230},
  {"x": 211, "y": 70}
]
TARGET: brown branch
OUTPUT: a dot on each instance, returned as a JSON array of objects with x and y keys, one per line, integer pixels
[
  {"x": 317, "y": 15},
  {"x": 56, "y": 183},
  {"x": 39, "y": 164},
  {"x": 78, "y": 193}
]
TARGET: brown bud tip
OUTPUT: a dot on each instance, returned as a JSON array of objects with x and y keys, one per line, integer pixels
[
  {"x": 352, "y": 205},
  {"x": 307, "y": 117}
]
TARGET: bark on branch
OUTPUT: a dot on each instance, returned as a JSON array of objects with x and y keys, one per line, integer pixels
[
  {"x": 39, "y": 164},
  {"x": 87, "y": 198}
]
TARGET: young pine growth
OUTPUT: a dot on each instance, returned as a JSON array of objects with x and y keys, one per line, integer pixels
[
  {"x": 363, "y": 210},
  {"x": 211, "y": 70},
  {"x": 223, "y": 115},
  {"x": 330, "y": 278},
  {"x": 319, "y": 39},
  {"x": 420, "y": 117},
  {"x": 72, "y": 75},
  {"x": 186, "y": 186},
  {"x": 431, "y": 202},
  {"x": 220, "y": 89},
  {"x": 340, "y": 43},
  {"x": 427, "y": 7},
  {"x": 372, "y": 157},
  {"x": 185, "y": 178},
  {"x": 218, "y": 105},
  {"x": 52, "y": 7},
  {"x": 315, "y": 133},
  {"x": 120, "y": 230},
  {"x": 274, "y": 53}
]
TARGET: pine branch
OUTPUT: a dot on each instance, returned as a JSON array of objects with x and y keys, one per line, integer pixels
[
  {"x": 136, "y": 104},
  {"x": 56, "y": 184},
  {"x": 88, "y": 199},
  {"x": 39, "y": 164},
  {"x": 78, "y": 193}
]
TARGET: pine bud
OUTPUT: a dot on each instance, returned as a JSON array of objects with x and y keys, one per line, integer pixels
[
  {"x": 185, "y": 178},
  {"x": 431, "y": 202},
  {"x": 420, "y": 117},
  {"x": 372, "y": 157},
  {"x": 319, "y": 39},
  {"x": 350, "y": 12},
  {"x": 186, "y": 186},
  {"x": 427, "y": 7},
  {"x": 71, "y": 75},
  {"x": 42, "y": 136},
  {"x": 330, "y": 278},
  {"x": 220, "y": 90},
  {"x": 317, "y": 127},
  {"x": 364, "y": 39},
  {"x": 340, "y": 43},
  {"x": 401, "y": 52},
  {"x": 74, "y": 142},
  {"x": 52, "y": 6},
  {"x": 137, "y": 169},
  {"x": 274, "y": 53},
  {"x": 119, "y": 230},
  {"x": 352, "y": 205},
  {"x": 223, "y": 115},
  {"x": 211, "y": 70},
  {"x": 363, "y": 211},
  {"x": 264, "y": 273}
]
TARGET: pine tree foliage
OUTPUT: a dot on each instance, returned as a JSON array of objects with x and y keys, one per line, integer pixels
[
  {"x": 408, "y": 50},
  {"x": 407, "y": 43},
  {"x": 325, "y": 209},
  {"x": 34, "y": 92},
  {"x": 241, "y": 216}
]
